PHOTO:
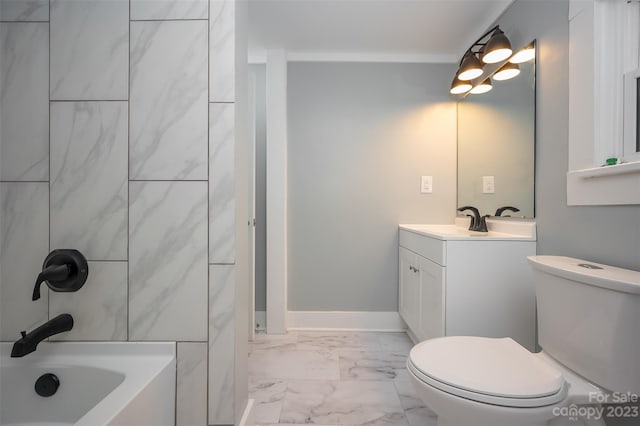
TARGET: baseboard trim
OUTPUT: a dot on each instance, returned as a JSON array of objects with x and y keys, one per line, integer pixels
[
  {"x": 345, "y": 320},
  {"x": 247, "y": 416}
]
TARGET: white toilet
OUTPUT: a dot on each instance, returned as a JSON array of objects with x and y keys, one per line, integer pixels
[{"x": 589, "y": 330}]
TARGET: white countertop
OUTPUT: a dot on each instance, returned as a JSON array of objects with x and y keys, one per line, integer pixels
[{"x": 499, "y": 229}]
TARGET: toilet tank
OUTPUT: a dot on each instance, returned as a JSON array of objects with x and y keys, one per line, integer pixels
[{"x": 589, "y": 319}]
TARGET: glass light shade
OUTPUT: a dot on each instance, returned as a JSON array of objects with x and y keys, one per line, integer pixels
[
  {"x": 497, "y": 49},
  {"x": 459, "y": 87},
  {"x": 483, "y": 87},
  {"x": 508, "y": 70},
  {"x": 470, "y": 68},
  {"x": 524, "y": 55}
]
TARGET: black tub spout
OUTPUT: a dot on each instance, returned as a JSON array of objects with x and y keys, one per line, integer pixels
[{"x": 29, "y": 341}]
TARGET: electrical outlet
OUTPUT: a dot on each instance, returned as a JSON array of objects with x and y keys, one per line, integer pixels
[
  {"x": 426, "y": 184},
  {"x": 488, "y": 185}
]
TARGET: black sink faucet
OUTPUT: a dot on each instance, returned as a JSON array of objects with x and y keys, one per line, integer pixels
[
  {"x": 503, "y": 209},
  {"x": 478, "y": 223},
  {"x": 29, "y": 341}
]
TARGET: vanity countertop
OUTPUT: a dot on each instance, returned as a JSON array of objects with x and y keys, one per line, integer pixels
[{"x": 499, "y": 229}]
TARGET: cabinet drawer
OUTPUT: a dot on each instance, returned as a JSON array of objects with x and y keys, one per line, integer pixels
[{"x": 431, "y": 248}]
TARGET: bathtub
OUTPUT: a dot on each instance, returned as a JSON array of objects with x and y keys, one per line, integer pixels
[{"x": 102, "y": 383}]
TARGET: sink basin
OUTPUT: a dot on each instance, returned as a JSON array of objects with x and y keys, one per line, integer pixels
[{"x": 499, "y": 229}]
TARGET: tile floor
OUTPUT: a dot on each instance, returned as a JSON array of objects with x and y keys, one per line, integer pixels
[{"x": 334, "y": 378}]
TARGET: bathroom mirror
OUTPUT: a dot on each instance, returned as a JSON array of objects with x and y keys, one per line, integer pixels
[{"x": 496, "y": 145}]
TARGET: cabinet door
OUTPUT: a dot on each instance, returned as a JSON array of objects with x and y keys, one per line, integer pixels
[
  {"x": 431, "y": 319},
  {"x": 409, "y": 291}
]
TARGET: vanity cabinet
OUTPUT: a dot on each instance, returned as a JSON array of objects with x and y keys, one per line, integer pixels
[{"x": 466, "y": 285}]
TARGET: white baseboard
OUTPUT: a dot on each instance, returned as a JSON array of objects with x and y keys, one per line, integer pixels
[
  {"x": 247, "y": 416},
  {"x": 261, "y": 320},
  {"x": 345, "y": 320}
]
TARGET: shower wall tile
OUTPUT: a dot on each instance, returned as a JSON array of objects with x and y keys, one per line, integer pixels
[
  {"x": 24, "y": 244},
  {"x": 222, "y": 50},
  {"x": 169, "y": 119},
  {"x": 89, "y": 49},
  {"x": 24, "y": 10},
  {"x": 169, "y": 9},
  {"x": 24, "y": 101},
  {"x": 168, "y": 261},
  {"x": 191, "y": 386},
  {"x": 99, "y": 308},
  {"x": 221, "y": 184},
  {"x": 221, "y": 343},
  {"x": 89, "y": 161}
]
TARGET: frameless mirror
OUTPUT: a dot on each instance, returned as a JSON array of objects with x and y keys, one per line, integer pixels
[{"x": 496, "y": 145}]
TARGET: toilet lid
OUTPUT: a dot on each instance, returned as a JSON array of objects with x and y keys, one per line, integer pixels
[{"x": 499, "y": 368}]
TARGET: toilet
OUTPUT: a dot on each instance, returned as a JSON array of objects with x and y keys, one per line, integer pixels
[{"x": 589, "y": 331}]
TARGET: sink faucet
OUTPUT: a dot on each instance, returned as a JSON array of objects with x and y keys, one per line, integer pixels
[
  {"x": 29, "y": 341},
  {"x": 502, "y": 209},
  {"x": 478, "y": 223}
]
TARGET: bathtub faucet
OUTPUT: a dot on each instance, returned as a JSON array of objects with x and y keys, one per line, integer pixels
[{"x": 29, "y": 341}]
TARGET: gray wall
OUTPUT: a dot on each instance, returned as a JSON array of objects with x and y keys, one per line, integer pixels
[
  {"x": 122, "y": 146},
  {"x": 360, "y": 137},
  {"x": 608, "y": 234}
]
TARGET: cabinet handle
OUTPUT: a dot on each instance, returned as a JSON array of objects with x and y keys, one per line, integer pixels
[{"x": 413, "y": 269}]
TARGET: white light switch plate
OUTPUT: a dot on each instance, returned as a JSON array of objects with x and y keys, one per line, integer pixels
[
  {"x": 488, "y": 185},
  {"x": 426, "y": 184}
]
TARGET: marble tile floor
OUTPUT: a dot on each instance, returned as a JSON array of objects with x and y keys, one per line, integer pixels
[{"x": 334, "y": 378}]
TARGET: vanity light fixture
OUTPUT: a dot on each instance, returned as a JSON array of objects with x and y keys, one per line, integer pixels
[
  {"x": 483, "y": 87},
  {"x": 493, "y": 46},
  {"x": 525, "y": 54},
  {"x": 497, "y": 49},
  {"x": 459, "y": 87},
  {"x": 470, "y": 67},
  {"x": 508, "y": 70}
]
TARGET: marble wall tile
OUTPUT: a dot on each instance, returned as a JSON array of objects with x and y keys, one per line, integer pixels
[
  {"x": 24, "y": 244},
  {"x": 168, "y": 106},
  {"x": 168, "y": 261},
  {"x": 24, "y": 10},
  {"x": 221, "y": 343},
  {"x": 24, "y": 101},
  {"x": 99, "y": 308},
  {"x": 191, "y": 385},
  {"x": 169, "y": 9},
  {"x": 222, "y": 50},
  {"x": 89, "y": 49},
  {"x": 221, "y": 184},
  {"x": 342, "y": 402},
  {"x": 89, "y": 164}
]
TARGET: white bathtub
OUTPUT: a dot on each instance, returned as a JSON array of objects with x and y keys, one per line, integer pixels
[{"x": 110, "y": 383}]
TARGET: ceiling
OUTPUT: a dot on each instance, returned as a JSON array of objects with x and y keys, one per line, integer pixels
[{"x": 393, "y": 30}]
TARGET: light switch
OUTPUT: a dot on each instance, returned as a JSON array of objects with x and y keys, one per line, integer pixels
[
  {"x": 426, "y": 184},
  {"x": 488, "y": 185}
]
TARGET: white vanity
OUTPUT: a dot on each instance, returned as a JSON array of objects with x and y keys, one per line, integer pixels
[{"x": 459, "y": 282}]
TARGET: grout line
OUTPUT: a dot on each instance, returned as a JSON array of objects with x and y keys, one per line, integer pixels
[
  {"x": 168, "y": 180},
  {"x": 88, "y": 100},
  {"x": 129, "y": 177},
  {"x": 50, "y": 182},
  {"x": 209, "y": 349},
  {"x": 24, "y": 181},
  {"x": 171, "y": 20}
]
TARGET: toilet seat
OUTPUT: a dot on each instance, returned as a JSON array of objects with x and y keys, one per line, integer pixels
[{"x": 487, "y": 370}]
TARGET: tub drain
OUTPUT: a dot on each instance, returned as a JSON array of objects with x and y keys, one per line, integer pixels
[{"x": 47, "y": 385}]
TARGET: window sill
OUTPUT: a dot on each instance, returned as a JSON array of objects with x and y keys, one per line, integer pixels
[
  {"x": 618, "y": 169},
  {"x": 607, "y": 185}
]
